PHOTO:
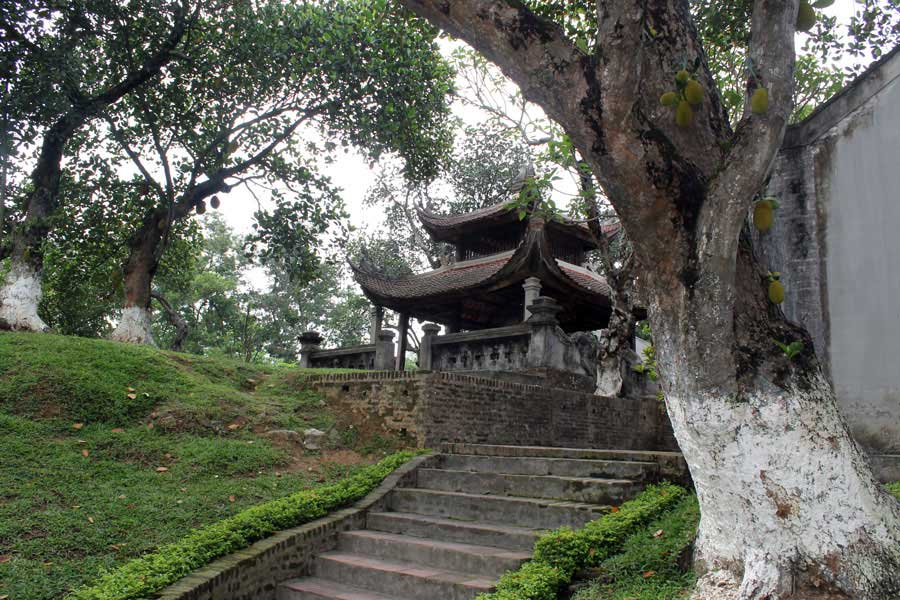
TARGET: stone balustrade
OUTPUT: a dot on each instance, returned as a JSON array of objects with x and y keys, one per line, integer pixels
[{"x": 368, "y": 357}]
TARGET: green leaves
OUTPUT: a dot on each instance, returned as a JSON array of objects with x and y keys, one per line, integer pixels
[{"x": 791, "y": 349}]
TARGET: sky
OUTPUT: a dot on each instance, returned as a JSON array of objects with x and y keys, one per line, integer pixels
[{"x": 353, "y": 175}]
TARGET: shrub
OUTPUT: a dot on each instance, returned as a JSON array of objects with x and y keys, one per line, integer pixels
[
  {"x": 143, "y": 577},
  {"x": 560, "y": 553}
]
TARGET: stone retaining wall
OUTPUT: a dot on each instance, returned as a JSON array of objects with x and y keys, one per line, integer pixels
[{"x": 437, "y": 407}]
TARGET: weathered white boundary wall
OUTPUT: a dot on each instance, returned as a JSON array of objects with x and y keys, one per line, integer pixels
[{"x": 836, "y": 241}]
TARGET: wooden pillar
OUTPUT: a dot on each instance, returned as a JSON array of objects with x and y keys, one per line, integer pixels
[{"x": 401, "y": 343}]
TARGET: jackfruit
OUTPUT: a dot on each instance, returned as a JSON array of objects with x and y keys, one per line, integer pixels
[
  {"x": 682, "y": 76},
  {"x": 201, "y": 207},
  {"x": 806, "y": 18},
  {"x": 759, "y": 101},
  {"x": 693, "y": 92},
  {"x": 668, "y": 99},
  {"x": 763, "y": 215},
  {"x": 214, "y": 202},
  {"x": 684, "y": 114},
  {"x": 776, "y": 291}
]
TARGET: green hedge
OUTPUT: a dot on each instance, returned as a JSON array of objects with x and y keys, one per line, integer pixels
[
  {"x": 560, "y": 553},
  {"x": 144, "y": 576}
]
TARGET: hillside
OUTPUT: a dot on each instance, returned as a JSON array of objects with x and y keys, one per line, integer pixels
[{"x": 109, "y": 450}]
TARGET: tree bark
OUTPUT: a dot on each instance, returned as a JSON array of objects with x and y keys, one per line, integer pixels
[{"x": 788, "y": 502}]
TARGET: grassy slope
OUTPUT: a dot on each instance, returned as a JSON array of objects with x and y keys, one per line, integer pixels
[{"x": 64, "y": 515}]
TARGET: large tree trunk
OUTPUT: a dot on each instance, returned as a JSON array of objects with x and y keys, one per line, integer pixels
[
  {"x": 789, "y": 505},
  {"x": 143, "y": 260},
  {"x": 21, "y": 292}
]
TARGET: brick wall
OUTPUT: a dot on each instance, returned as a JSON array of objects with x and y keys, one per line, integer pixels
[{"x": 434, "y": 407}]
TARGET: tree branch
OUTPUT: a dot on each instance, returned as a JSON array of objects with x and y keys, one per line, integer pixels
[
  {"x": 533, "y": 51},
  {"x": 758, "y": 136}
]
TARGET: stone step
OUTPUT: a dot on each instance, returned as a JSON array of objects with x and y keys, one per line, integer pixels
[
  {"x": 671, "y": 465},
  {"x": 560, "y": 467},
  {"x": 452, "y": 530},
  {"x": 554, "y": 452},
  {"x": 532, "y": 513},
  {"x": 455, "y": 556},
  {"x": 314, "y": 588},
  {"x": 576, "y": 489},
  {"x": 395, "y": 578}
]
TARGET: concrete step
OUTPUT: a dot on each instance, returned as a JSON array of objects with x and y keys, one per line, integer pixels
[
  {"x": 401, "y": 579},
  {"x": 451, "y": 530},
  {"x": 560, "y": 467},
  {"x": 553, "y": 452},
  {"x": 576, "y": 489},
  {"x": 531, "y": 513},
  {"x": 455, "y": 556},
  {"x": 671, "y": 465},
  {"x": 314, "y": 588}
]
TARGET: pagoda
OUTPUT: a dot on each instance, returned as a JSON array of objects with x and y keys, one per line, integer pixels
[{"x": 500, "y": 264}]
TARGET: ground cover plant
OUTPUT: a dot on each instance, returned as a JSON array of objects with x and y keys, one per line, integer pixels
[
  {"x": 651, "y": 563},
  {"x": 558, "y": 555},
  {"x": 111, "y": 451}
]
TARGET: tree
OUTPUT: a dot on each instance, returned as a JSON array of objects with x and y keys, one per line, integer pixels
[
  {"x": 68, "y": 63},
  {"x": 789, "y": 505},
  {"x": 230, "y": 115}
]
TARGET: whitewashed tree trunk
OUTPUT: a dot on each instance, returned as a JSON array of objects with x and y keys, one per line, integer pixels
[
  {"x": 784, "y": 491},
  {"x": 19, "y": 298},
  {"x": 134, "y": 327}
]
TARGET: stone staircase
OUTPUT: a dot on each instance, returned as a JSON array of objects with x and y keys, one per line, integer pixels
[{"x": 474, "y": 513}]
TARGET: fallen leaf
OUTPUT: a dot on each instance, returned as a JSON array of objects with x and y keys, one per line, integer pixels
[
  {"x": 5, "y": 559},
  {"x": 131, "y": 389},
  {"x": 231, "y": 498},
  {"x": 114, "y": 546},
  {"x": 659, "y": 533},
  {"x": 167, "y": 455},
  {"x": 84, "y": 452},
  {"x": 76, "y": 507},
  {"x": 118, "y": 430},
  {"x": 233, "y": 426},
  {"x": 614, "y": 509},
  {"x": 90, "y": 519},
  {"x": 648, "y": 574},
  {"x": 131, "y": 396},
  {"x": 183, "y": 489},
  {"x": 150, "y": 425},
  {"x": 121, "y": 496},
  {"x": 4, "y": 596},
  {"x": 77, "y": 425},
  {"x": 161, "y": 469}
]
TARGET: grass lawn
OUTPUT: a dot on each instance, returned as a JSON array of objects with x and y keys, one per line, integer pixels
[{"x": 109, "y": 451}]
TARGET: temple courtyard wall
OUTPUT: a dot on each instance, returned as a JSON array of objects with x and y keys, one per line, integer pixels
[
  {"x": 836, "y": 242},
  {"x": 436, "y": 407}
]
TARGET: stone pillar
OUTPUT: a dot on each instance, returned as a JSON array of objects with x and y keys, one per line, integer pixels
[
  {"x": 309, "y": 343},
  {"x": 425, "y": 356},
  {"x": 532, "y": 288},
  {"x": 401, "y": 342},
  {"x": 543, "y": 345},
  {"x": 384, "y": 351},
  {"x": 376, "y": 317}
]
